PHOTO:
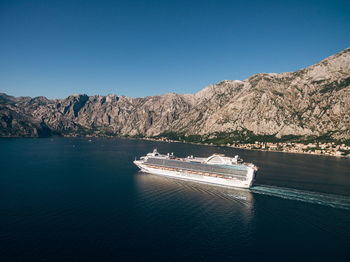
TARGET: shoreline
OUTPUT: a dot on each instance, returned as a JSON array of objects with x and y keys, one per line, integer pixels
[
  {"x": 250, "y": 149},
  {"x": 174, "y": 141}
]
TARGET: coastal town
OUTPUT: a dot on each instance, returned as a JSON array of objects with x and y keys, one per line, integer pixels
[
  {"x": 330, "y": 148},
  {"x": 316, "y": 148}
]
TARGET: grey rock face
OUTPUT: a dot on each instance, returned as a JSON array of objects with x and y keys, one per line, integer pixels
[{"x": 311, "y": 101}]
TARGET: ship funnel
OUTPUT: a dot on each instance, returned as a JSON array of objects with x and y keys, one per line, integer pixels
[
  {"x": 237, "y": 159},
  {"x": 155, "y": 152}
]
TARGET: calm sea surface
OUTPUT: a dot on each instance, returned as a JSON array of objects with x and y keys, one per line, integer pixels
[{"x": 79, "y": 200}]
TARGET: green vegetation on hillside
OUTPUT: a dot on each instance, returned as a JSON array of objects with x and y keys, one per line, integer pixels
[
  {"x": 246, "y": 136},
  {"x": 336, "y": 86}
]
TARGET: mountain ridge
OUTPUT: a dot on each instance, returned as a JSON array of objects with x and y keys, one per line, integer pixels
[{"x": 310, "y": 102}]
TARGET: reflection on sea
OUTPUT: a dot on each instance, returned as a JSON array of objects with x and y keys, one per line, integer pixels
[
  {"x": 212, "y": 198},
  {"x": 149, "y": 185}
]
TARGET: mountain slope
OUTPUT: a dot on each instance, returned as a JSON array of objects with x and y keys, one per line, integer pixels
[
  {"x": 314, "y": 101},
  {"x": 311, "y": 101}
]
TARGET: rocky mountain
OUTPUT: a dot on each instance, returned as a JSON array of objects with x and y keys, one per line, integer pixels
[{"x": 311, "y": 102}]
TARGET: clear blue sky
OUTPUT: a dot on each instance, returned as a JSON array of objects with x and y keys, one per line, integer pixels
[{"x": 139, "y": 48}]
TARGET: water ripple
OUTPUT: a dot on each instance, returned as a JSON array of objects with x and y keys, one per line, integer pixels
[{"x": 336, "y": 201}]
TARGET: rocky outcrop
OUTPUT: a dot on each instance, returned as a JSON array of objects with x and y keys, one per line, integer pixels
[{"x": 314, "y": 101}]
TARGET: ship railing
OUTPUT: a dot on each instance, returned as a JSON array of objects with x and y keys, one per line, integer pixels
[{"x": 212, "y": 173}]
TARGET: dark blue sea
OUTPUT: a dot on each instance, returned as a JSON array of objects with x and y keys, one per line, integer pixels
[{"x": 65, "y": 199}]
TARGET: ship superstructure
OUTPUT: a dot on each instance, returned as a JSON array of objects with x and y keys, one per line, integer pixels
[{"x": 215, "y": 169}]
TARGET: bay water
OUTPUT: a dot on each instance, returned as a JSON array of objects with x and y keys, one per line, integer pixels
[{"x": 80, "y": 199}]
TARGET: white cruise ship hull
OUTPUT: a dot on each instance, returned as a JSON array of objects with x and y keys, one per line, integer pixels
[{"x": 183, "y": 174}]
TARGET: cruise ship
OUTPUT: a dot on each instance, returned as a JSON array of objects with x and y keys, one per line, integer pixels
[{"x": 215, "y": 169}]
